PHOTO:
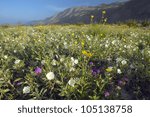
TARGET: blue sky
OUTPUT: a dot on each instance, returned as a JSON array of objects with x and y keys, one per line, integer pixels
[{"x": 15, "y": 11}]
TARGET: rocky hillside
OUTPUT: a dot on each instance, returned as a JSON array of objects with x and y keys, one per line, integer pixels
[{"x": 119, "y": 11}]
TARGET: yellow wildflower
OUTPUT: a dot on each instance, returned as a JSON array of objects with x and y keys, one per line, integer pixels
[
  {"x": 105, "y": 20},
  {"x": 103, "y": 12},
  {"x": 92, "y": 16},
  {"x": 88, "y": 54},
  {"x": 109, "y": 69},
  {"x": 76, "y": 42},
  {"x": 84, "y": 52},
  {"x": 101, "y": 35},
  {"x": 82, "y": 43}
]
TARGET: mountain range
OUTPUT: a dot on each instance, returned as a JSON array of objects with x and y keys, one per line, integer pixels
[{"x": 115, "y": 12}]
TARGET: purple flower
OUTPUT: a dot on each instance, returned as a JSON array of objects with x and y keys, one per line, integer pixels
[
  {"x": 98, "y": 71},
  {"x": 126, "y": 79},
  {"x": 19, "y": 83},
  {"x": 91, "y": 63},
  {"x": 38, "y": 71},
  {"x": 120, "y": 82},
  {"x": 95, "y": 71},
  {"x": 107, "y": 94}
]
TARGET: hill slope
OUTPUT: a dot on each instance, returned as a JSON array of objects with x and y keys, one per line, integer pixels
[{"x": 119, "y": 11}]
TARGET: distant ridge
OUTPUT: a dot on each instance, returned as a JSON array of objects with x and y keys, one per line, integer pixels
[{"x": 115, "y": 12}]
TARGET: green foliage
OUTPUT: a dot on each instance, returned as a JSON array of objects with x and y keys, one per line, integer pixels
[
  {"x": 145, "y": 23},
  {"x": 74, "y": 62},
  {"x": 132, "y": 23},
  {"x": 5, "y": 26},
  {"x": 135, "y": 23}
]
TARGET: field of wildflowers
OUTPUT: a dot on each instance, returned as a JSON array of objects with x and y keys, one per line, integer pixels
[{"x": 74, "y": 62}]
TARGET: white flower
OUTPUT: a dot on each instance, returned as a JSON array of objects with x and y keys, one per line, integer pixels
[
  {"x": 74, "y": 61},
  {"x": 23, "y": 47},
  {"x": 1, "y": 79},
  {"x": 109, "y": 59},
  {"x": 124, "y": 62},
  {"x": 50, "y": 76},
  {"x": 134, "y": 49},
  {"x": 65, "y": 45},
  {"x": 123, "y": 51},
  {"x": 15, "y": 51},
  {"x": 106, "y": 46},
  {"x": 17, "y": 61},
  {"x": 119, "y": 71},
  {"x": 54, "y": 62},
  {"x": 88, "y": 37},
  {"x": 113, "y": 42},
  {"x": 61, "y": 59},
  {"x": 72, "y": 82},
  {"x": 131, "y": 66},
  {"x": 129, "y": 46},
  {"x": 118, "y": 60},
  {"x": 26, "y": 90},
  {"x": 5, "y": 56},
  {"x": 57, "y": 46},
  {"x": 72, "y": 69},
  {"x": 118, "y": 87},
  {"x": 43, "y": 62}
]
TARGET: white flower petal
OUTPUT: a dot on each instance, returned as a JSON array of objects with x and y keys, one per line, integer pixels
[
  {"x": 50, "y": 76},
  {"x": 26, "y": 90},
  {"x": 17, "y": 61},
  {"x": 118, "y": 60},
  {"x": 124, "y": 62},
  {"x": 62, "y": 59},
  {"x": 43, "y": 62},
  {"x": 71, "y": 82},
  {"x": 5, "y": 56},
  {"x": 54, "y": 62},
  {"x": 72, "y": 69},
  {"x": 119, "y": 71},
  {"x": 76, "y": 61}
]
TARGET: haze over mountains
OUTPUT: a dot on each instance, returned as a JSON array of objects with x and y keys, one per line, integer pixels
[{"x": 118, "y": 11}]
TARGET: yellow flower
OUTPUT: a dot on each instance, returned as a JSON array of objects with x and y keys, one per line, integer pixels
[
  {"x": 82, "y": 43},
  {"x": 76, "y": 43},
  {"x": 109, "y": 69},
  {"x": 84, "y": 52},
  {"x": 105, "y": 20},
  {"x": 72, "y": 34},
  {"x": 88, "y": 54},
  {"x": 103, "y": 12},
  {"x": 92, "y": 16},
  {"x": 101, "y": 35}
]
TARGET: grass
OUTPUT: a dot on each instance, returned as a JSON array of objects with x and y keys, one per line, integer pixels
[{"x": 74, "y": 62}]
